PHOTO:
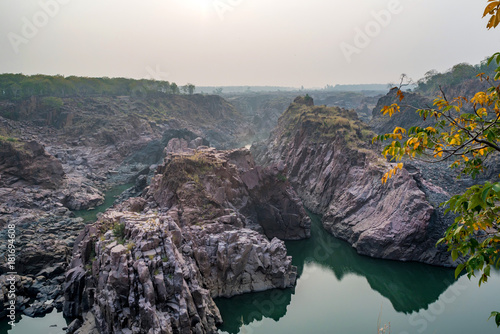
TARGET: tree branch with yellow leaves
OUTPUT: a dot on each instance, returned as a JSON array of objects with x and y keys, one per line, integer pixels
[{"x": 466, "y": 132}]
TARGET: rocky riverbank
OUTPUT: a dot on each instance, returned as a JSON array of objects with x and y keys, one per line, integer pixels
[
  {"x": 337, "y": 174},
  {"x": 53, "y": 162},
  {"x": 156, "y": 262},
  {"x": 199, "y": 223}
]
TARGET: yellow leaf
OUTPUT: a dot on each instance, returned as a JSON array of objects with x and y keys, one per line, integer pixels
[
  {"x": 480, "y": 98},
  {"x": 438, "y": 152},
  {"x": 384, "y": 178},
  {"x": 482, "y": 112},
  {"x": 400, "y": 95},
  {"x": 455, "y": 140},
  {"x": 490, "y": 7},
  {"x": 398, "y": 129},
  {"x": 391, "y": 110},
  {"x": 400, "y": 165},
  {"x": 494, "y": 20}
]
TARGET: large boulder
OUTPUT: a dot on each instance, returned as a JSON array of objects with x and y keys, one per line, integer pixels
[{"x": 29, "y": 162}]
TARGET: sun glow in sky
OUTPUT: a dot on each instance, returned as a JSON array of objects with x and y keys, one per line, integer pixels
[
  {"x": 196, "y": 5},
  {"x": 243, "y": 42}
]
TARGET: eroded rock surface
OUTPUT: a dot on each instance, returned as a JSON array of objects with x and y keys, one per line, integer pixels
[
  {"x": 29, "y": 162},
  {"x": 200, "y": 185},
  {"x": 154, "y": 263},
  {"x": 337, "y": 174},
  {"x": 162, "y": 278}
]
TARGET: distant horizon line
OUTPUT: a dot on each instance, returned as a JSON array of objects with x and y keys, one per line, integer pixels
[{"x": 276, "y": 86}]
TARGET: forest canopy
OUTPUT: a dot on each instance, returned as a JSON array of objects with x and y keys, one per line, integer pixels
[
  {"x": 19, "y": 86},
  {"x": 432, "y": 81}
]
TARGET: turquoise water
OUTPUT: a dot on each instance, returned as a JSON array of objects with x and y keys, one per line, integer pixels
[
  {"x": 339, "y": 291},
  {"x": 109, "y": 198}
]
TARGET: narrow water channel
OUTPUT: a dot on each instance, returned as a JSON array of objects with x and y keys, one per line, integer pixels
[
  {"x": 339, "y": 291},
  {"x": 109, "y": 198}
]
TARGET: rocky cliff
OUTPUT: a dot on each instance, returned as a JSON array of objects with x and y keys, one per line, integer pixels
[
  {"x": 337, "y": 174},
  {"x": 154, "y": 263},
  {"x": 206, "y": 183},
  {"x": 28, "y": 162},
  {"x": 57, "y": 160}
]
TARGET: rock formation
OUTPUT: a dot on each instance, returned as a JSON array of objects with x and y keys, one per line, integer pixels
[
  {"x": 337, "y": 174},
  {"x": 28, "y": 162},
  {"x": 206, "y": 183},
  {"x": 55, "y": 161},
  {"x": 154, "y": 263}
]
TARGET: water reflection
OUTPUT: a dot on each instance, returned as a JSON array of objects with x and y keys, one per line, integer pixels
[
  {"x": 244, "y": 309},
  {"x": 410, "y": 287}
]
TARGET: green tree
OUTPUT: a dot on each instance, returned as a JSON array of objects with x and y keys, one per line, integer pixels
[
  {"x": 52, "y": 103},
  {"x": 15, "y": 89},
  {"x": 467, "y": 132},
  {"x": 174, "y": 89}
]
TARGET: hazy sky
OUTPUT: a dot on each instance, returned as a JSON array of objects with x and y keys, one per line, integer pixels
[{"x": 243, "y": 42}]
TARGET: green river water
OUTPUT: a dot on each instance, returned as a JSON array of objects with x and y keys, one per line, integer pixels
[{"x": 339, "y": 291}]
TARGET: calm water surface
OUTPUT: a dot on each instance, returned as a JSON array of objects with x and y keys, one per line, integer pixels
[
  {"x": 52, "y": 323},
  {"x": 339, "y": 291},
  {"x": 109, "y": 197}
]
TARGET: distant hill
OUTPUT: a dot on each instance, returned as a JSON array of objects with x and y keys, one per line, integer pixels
[
  {"x": 359, "y": 88},
  {"x": 461, "y": 79},
  {"x": 242, "y": 89},
  {"x": 20, "y": 86}
]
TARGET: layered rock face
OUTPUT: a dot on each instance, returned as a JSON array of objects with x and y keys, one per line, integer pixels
[
  {"x": 52, "y": 163},
  {"x": 154, "y": 263},
  {"x": 33, "y": 188},
  {"x": 205, "y": 183},
  {"x": 30, "y": 163},
  {"x": 163, "y": 278},
  {"x": 337, "y": 174}
]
